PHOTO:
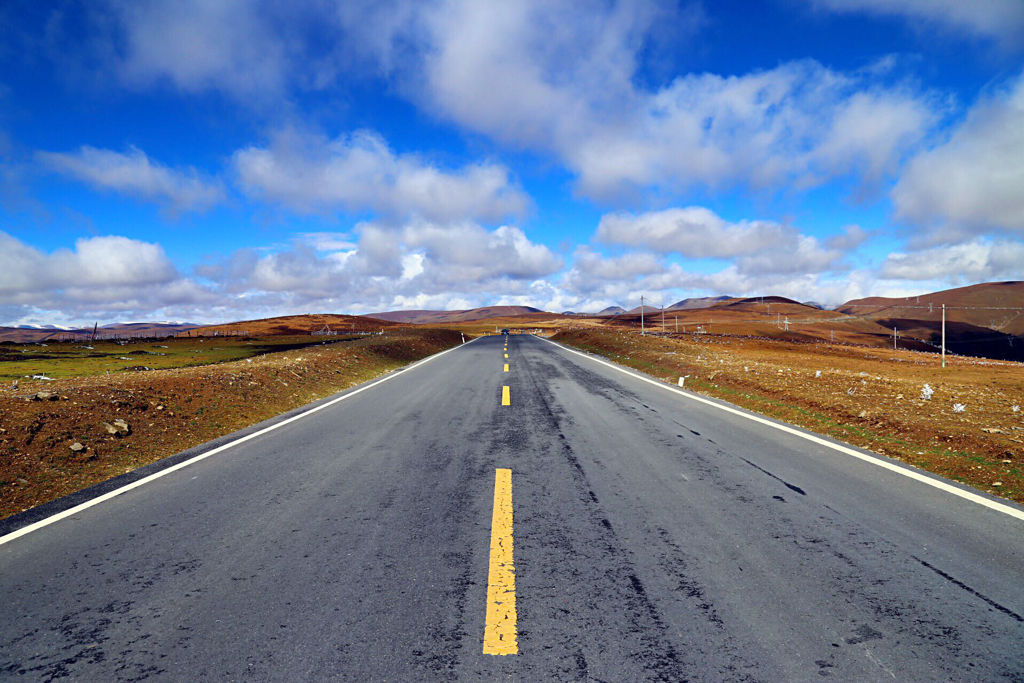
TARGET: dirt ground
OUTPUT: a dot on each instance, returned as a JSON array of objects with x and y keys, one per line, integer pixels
[
  {"x": 167, "y": 411},
  {"x": 969, "y": 427}
]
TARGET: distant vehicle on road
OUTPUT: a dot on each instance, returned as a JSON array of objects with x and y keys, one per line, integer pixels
[{"x": 505, "y": 331}]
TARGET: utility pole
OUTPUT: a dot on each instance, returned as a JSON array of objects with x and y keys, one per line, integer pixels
[
  {"x": 663, "y": 316},
  {"x": 677, "y": 324},
  {"x": 642, "y": 314},
  {"x": 943, "y": 335},
  {"x": 894, "y": 338}
]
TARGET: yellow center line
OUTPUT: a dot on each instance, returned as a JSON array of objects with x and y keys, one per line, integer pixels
[
  {"x": 506, "y": 355},
  {"x": 505, "y": 398},
  {"x": 506, "y": 367},
  {"x": 500, "y": 624}
]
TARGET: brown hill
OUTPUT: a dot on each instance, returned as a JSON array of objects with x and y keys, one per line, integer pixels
[
  {"x": 312, "y": 323},
  {"x": 697, "y": 302},
  {"x": 981, "y": 320},
  {"x": 771, "y": 317},
  {"x": 425, "y": 317},
  {"x": 647, "y": 310}
]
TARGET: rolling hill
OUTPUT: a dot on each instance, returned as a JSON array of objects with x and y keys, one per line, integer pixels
[
  {"x": 981, "y": 320},
  {"x": 697, "y": 302},
  {"x": 312, "y": 323},
  {"x": 427, "y": 317}
]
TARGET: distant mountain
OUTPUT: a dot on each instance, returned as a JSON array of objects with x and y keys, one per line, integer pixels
[
  {"x": 38, "y": 333},
  {"x": 697, "y": 302},
  {"x": 647, "y": 310},
  {"x": 427, "y": 317},
  {"x": 612, "y": 310},
  {"x": 758, "y": 300}
]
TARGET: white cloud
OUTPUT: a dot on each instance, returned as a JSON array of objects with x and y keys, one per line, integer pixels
[
  {"x": 629, "y": 265},
  {"x": 389, "y": 266},
  {"x": 471, "y": 252},
  {"x": 557, "y": 76},
  {"x": 975, "y": 181},
  {"x": 979, "y": 260},
  {"x": 851, "y": 237},
  {"x": 805, "y": 255},
  {"x": 135, "y": 175},
  {"x": 569, "y": 88},
  {"x": 1002, "y": 20},
  {"x": 698, "y": 232},
  {"x": 94, "y": 262},
  {"x": 360, "y": 172},
  {"x": 110, "y": 278},
  {"x": 197, "y": 45},
  {"x": 692, "y": 231}
]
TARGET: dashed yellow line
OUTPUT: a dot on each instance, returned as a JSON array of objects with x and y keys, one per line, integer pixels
[
  {"x": 506, "y": 355},
  {"x": 506, "y": 367},
  {"x": 500, "y": 630},
  {"x": 506, "y": 400}
]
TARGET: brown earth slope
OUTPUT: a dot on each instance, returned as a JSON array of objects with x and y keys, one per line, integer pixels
[
  {"x": 168, "y": 411},
  {"x": 312, "y": 323}
]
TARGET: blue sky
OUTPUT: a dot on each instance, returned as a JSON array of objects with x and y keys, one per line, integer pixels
[{"x": 211, "y": 161}]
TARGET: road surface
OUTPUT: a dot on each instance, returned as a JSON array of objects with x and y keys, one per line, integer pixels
[{"x": 653, "y": 538}]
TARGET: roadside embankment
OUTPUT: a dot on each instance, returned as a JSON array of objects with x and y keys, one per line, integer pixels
[
  {"x": 62, "y": 436},
  {"x": 964, "y": 422}
]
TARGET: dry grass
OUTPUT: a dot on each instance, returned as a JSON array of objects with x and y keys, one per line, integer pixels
[{"x": 868, "y": 397}]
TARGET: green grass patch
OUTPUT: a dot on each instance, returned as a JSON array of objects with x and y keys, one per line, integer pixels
[{"x": 60, "y": 360}]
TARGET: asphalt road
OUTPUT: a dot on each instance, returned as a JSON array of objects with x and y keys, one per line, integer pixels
[{"x": 655, "y": 538}]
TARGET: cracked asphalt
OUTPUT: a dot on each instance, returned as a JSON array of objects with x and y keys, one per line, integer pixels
[{"x": 655, "y": 538}]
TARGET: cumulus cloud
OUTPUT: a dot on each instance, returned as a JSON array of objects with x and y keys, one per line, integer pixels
[
  {"x": 697, "y": 232},
  {"x": 469, "y": 252},
  {"x": 1002, "y": 20},
  {"x": 358, "y": 172},
  {"x": 389, "y": 266},
  {"x": 101, "y": 276},
  {"x": 566, "y": 78},
  {"x": 571, "y": 71},
  {"x": 851, "y": 237},
  {"x": 94, "y": 262},
  {"x": 625, "y": 266},
  {"x": 692, "y": 231},
  {"x": 979, "y": 260},
  {"x": 196, "y": 45},
  {"x": 975, "y": 180},
  {"x": 805, "y": 255},
  {"x": 136, "y": 175}
]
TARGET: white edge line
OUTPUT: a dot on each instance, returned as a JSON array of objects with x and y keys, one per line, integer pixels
[
  {"x": 35, "y": 526},
  {"x": 912, "y": 474}
]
